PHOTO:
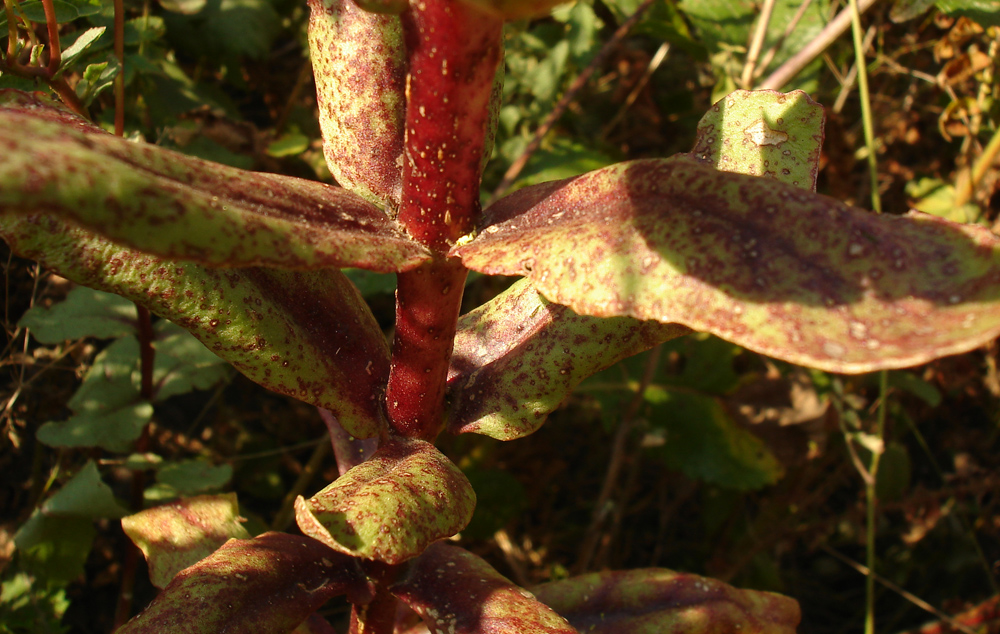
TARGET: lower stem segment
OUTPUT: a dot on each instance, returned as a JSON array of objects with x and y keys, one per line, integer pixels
[{"x": 428, "y": 300}]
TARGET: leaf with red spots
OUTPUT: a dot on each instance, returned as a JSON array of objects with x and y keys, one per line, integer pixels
[
  {"x": 182, "y": 533},
  {"x": 307, "y": 334},
  {"x": 517, "y": 357},
  {"x": 764, "y": 264},
  {"x": 389, "y": 508},
  {"x": 359, "y": 61},
  {"x": 456, "y": 592},
  {"x": 177, "y": 206},
  {"x": 657, "y": 601},
  {"x": 266, "y": 585},
  {"x": 764, "y": 133}
]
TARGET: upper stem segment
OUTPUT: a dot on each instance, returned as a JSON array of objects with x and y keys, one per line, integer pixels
[{"x": 454, "y": 51}]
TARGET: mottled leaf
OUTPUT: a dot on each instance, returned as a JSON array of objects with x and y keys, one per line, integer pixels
[
  {"x": 182, "y": 207},
  {"x": 764, "y": 133},
  {"x": 306, "y": 334},
  {"x": 455, "y": 591},
  {"x": 84, "y": 313},
  {"x": 108, "y": 408},
  {"x": 518, "y": 356},
  {"x": 359, "y": 61},
  {"x": 658, "y": 601},
  {"x": 182, "y": 533},
  {"x": 763, "y": 264},
  {"x": 392, "y": 506},
  {"x": 266, "y": 585}
]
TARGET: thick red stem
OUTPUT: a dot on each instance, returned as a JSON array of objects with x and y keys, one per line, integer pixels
[
  {"x": 427, "y": 305},
  {"x": 454, "y": 51}
]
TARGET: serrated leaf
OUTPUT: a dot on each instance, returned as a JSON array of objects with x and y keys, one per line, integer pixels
[
  {"x": 764, "y": 133},
  {"x": 283, "y": 329},
  {"x": 84, "y": 313},
  {"x": 108, "y": 409},
  {"x": 266, "y": 585},
  {"x": 182, "y": 363},
  {"x": 182, "y": 533},
  {"x": 389, "y": 508},
  {"x": 518, "y": 356},
  {"x": 455, "y": 591},
  {"x": 763, "y": 264},
  {"x": 202, "y": 211},
  {"x": 659, "y": 601},
  {"x": 706, "y": 444}
]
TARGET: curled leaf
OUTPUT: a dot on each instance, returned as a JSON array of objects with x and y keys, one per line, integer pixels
[
  {"x": 518, "y": 356},
  {"x": 764, "y": 264},
  {"x": 390, "y": 507},
  {"x": 181, "y": 207},
  {"x": 658, "y": 601}
]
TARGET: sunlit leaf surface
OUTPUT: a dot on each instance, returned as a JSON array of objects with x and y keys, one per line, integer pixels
[
  {"x": 764, "y": 133},
  {"x": 182, "y": 533},
  {"x": 181, "y": 207},
  {"x": 455, "y": 591},
  {"x": 518, "y": 356},
  {"x": 767, "y": 265},
  {"x": 390, "y": 507}
]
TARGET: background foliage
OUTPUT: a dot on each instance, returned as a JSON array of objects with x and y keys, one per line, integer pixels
[{"x": 697, "y": 456}]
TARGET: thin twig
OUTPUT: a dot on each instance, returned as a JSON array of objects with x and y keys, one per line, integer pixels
[
  {"x": 557, "y": 111},
  {"x": 789, "y": 28},
  {"x": 912, "y": 598},
  {"x": 654, "y": 63},
  {"x": 760, "y": 32},
  {"x": 286, "y": 513},
  {"x": 837, "y": 27}
]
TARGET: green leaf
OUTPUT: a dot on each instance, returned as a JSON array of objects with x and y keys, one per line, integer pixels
[
  {"x": 764, "y": 133},
  {"x": 82, "y": 42},
  {"x": 182, "y": 363},
  {"x": 96, "y": 79},
  {"x": 190, "y": 477},
  {"x": 658, "y": 601},
  {"x": 186, "y": 7},
  {"x": 521, "y": 344},
  {"x": 704, "y": 443},
  {"x": 109, "y": 411},
  {"x": 985, "y": 12},
  {"x": 281, "y": 329},
  {"x": 177, "y": 535},
  {"x": 516, "y": 9},
  {"x": 288, "y": 145},
  {"x": 266, "y": 585},
  {"x": 202, "y": 211},
  {"x": 56, "y": 540},
  {"x": 390, "y": 507},
  {"x": 763, "y": 264},
  {"x": 84, "y": 313},
  {"x": 455, "y": 591},
  {"x": 894, "y": 473}
]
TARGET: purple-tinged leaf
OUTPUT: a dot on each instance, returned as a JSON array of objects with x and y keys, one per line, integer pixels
[
  {"x": 763, "y": 264},
  {"x": 764, "y": 133},
  {"x": 177, "y": 206},
  {"x": 657, "y": 601},
  {"x": 182, "y": 533},
  {"x": 389, "y": 508},
  {"x": 266, "y": 585},
  {"x": 456, "y": 592},
  {"x": 359, "y": 62},
  {"x": 307, "y": 334},
  {"x": 518, "y": 356}
]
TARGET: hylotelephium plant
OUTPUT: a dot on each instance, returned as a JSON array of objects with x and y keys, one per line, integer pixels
[{"x": 729, "y": 239}]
